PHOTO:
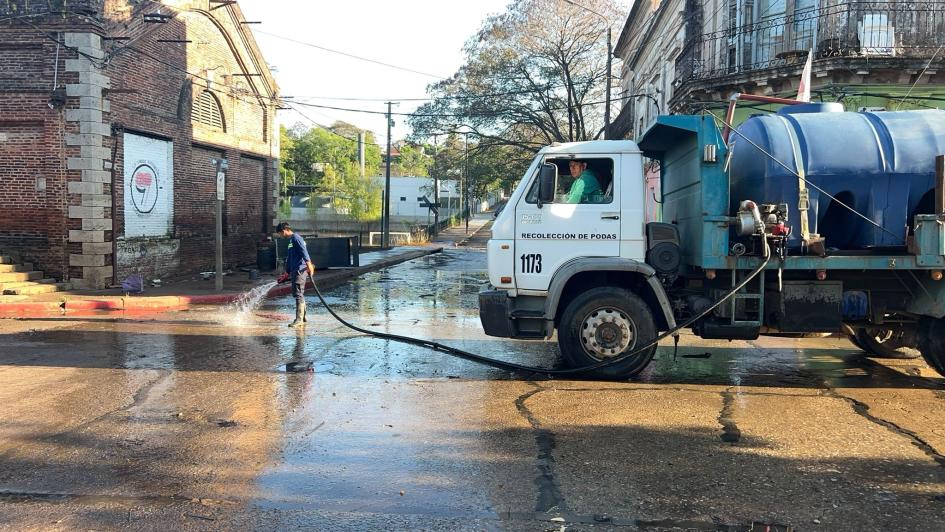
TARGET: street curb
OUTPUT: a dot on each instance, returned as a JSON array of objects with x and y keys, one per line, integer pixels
[
  {"x": 166, "y": 303},
  {"x": 209, "y": 299},
  {"x": 31, "y": 307},
  {"x": 117, "y": 303}
]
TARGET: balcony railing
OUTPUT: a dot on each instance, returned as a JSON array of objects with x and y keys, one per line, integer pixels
[{"x": 851, "y": 29}]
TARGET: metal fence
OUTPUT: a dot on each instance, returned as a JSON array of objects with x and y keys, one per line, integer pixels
[{"x": 848, "y": 29}]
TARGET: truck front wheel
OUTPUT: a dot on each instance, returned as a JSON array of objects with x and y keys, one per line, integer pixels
[
  {"x": 931, "y": 340},
  {"x": 603, "y": 324}
]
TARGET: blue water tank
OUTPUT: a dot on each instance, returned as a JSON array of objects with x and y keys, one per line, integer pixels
[{"x": 882, "y": 164}]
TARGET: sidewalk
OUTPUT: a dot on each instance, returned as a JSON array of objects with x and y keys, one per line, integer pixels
[
  {"x": 191, "y": 291},
  {"x": 455, "y": 236}
]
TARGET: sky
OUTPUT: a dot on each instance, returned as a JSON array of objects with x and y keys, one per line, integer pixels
[{"x": 421, "y": 35}]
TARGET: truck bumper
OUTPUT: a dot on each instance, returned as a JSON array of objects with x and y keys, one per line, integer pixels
[
  {"x": 494, "y": 313},
  {"x": 519, "y": 317}
]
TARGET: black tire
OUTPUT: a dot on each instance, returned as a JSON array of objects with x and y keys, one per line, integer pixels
[
  {"x": 856, "y": 343},
  {"x": 884, "y": 343},
  {"x": 931, "y": 340},
  {"x": 599, "y": 305}
]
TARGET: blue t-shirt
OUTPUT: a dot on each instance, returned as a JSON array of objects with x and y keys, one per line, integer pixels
[{"x": 297, "y": 254}]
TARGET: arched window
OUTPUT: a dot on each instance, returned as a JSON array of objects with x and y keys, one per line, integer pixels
[{"x": 207, "y": 111}]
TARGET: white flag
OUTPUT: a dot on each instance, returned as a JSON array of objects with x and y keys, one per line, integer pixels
[{"x": 803, "y": 89}]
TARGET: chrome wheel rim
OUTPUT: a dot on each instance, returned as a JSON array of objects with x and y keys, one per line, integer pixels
[
  {"x": 607, "y": 333},
  {"x": 886, "y": 337}
]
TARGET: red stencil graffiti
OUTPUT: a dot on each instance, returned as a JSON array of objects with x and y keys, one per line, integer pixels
[{"x": 144, "y": 188}]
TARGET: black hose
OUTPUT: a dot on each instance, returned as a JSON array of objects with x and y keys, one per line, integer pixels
[{"x": 511, "y": 366}]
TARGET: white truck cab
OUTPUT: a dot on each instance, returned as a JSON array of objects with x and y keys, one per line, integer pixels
[{"x": 556, "y": 263}]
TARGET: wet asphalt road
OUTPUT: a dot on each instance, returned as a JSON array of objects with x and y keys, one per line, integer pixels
[{"x": 190, "y": 420}]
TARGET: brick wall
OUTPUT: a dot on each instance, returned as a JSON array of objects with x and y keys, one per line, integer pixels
[
  {"x": 148, "y": 88},
  {"x": 33, "y": 198},
  {"x": 158, "y": 100}
]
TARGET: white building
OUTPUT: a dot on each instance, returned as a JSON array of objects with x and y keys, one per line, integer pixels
[
  {"x": 649, "y": 45},
  {"x": 410, "y": 195}
]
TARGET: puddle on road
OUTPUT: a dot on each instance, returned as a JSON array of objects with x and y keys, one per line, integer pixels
[{"x": 433, "y": 297}]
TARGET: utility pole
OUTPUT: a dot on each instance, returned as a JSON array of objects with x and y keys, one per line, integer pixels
[
  {"x": 610, "y": 57},
  {"x": 222, "y": 167},
  {"x": 464, "y": 198},
  {"x": 361, "y": 152},
  {"x": 385, "y": 222},
  {"x": 436, "y": 193}
]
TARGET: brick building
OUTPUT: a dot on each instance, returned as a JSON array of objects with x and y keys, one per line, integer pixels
[{"x": 111, "y": 115}]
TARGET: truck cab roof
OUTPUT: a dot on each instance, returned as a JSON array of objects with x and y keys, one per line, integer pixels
[{"x": 592, "y": 147}]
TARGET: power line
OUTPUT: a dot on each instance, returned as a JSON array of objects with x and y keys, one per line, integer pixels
[
  {"x": 224, "y": 89},
  {"x": 430, "y": 98},
  {"x": 436, "y": 98},
  {"x": 917, "y": 78},
  {"x": 240, "y": 96},
  {"x": 36, "y": 15},
  {"x": 346, "y": 54},
  {"x": 328, "y": 129},
  {"x": 99, "y": 62},
  {"x": 445, "y": 115}
]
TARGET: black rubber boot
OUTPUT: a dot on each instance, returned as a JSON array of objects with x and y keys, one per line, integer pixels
[{"x": 299, "y": 316}]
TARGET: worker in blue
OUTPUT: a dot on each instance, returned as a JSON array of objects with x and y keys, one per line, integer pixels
[
  {"x": 586, "y": 187},
  {"x": 298, "y": 269}
]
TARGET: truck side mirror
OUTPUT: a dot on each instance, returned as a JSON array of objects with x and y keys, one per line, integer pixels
[{"x": 547, "y": 183}]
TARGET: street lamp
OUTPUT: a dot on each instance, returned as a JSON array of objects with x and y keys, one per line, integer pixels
[{"x": 610, "y": 56}]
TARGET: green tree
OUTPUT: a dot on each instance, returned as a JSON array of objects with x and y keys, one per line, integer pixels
[
  {"x": 364, "y": 201},
  {"x": 495, "y": 168},
  {"x": 309, "y": 152},
  {"x": 532, "y": 76},
  {"x": 491, "y": 167},
  {"x": 414, "y": 162},
  {"x": 286, "y": 150},
  {"x": 328, "y": 160}
]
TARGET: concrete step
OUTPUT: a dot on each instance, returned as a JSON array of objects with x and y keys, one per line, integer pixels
[
  {"x": 20, "y": 276},
  {"x": 33, "y": 289},
  {"x": 7, "y": 268},
  {"x": 17, "y": 284},
  {"x": 6, "y": 259}
]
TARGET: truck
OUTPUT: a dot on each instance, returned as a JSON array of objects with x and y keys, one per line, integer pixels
[{"x": 804, "y": 221}]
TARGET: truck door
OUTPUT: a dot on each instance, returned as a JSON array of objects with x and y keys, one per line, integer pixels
[{"x": 585, "y": 225}]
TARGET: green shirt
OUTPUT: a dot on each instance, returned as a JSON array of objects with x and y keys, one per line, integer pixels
[{"x": 584, "y": 188}]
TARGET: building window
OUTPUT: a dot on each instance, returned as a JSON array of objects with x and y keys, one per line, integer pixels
[
  {"x": 403, "y": 198},
  {"x": 207, "y": 111}
]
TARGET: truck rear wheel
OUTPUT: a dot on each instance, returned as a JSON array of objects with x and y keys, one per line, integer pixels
[
  {"x": 603, "y": 324},
  {"x": 882, "y": 342},
  {"x": 931, "y": 340}
]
